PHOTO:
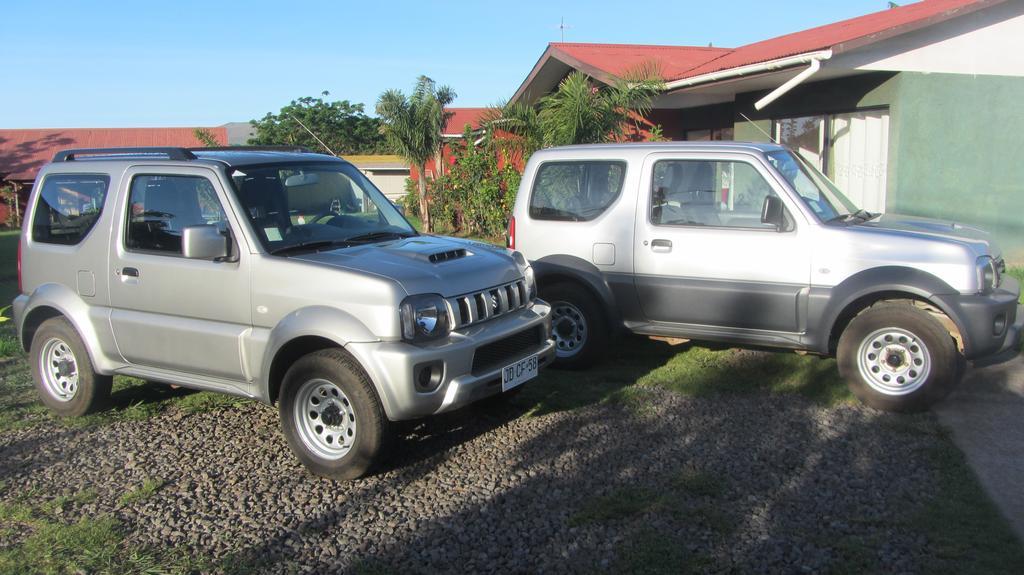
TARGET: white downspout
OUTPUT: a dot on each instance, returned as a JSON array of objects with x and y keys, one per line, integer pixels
[{"x": 789, "y": 85}]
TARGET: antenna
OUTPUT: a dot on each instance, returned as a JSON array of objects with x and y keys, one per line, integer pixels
[
  {"x": 773, "y": 140},
  {"x": 562, "y": 27},
  {"x": 310, "y": 132}
]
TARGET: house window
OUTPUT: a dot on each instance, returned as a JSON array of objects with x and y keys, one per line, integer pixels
[
  {"x": 708, "y": 135},
  {"x": 851, "y": 148}
]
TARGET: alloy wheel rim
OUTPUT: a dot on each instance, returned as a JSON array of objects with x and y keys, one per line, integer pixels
[
  {"x": 894, "y": 361},
  {"x": 325, "y": 419},
  {"x": 569, "y": 328},
  {"x": 59, "y": 369}
]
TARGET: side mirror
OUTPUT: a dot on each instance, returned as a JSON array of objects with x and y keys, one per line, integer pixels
[
  {"x": 773, "y": 212},
  {"x": 399, "y": 207},
  {"x": 204, "y": 243}
]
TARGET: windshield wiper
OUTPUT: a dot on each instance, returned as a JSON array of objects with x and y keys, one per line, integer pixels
[
  {"x": 312, "y": 245},
  {"x": 859, "y": 216},
  {"x": 377, "y": 236}
]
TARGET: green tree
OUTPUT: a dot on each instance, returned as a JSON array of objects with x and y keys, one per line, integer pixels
[
  {"x": 580, "y": 111},
  {"x": 413, "y": 126},
  {"x": 206, "y": 137},
  {"x": 337, "y": 128}
]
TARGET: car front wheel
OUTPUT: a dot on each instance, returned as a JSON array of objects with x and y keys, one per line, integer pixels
[
  {"x": 897, "y": 357},
  {"x": 578, "y": 326},
  {"x": 332, "y": 417}
]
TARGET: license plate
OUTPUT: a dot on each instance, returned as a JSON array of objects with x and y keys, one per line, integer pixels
[{"x": 519, "y": 372}]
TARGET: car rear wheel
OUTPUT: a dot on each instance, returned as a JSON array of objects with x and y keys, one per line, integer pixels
[
  {"x": 578, "y": 326},
  {"x": 897, "y": 357},
  {"x": 63, "y": 372},
  {"x": 332, "y": 417}
]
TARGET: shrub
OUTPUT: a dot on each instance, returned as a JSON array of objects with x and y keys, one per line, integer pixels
[{"x": 475, "y": 196}]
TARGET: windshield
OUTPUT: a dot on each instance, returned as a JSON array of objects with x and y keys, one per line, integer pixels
[
  {"x": 320, "y": 205},
  {"x": 816, "y": 191}
]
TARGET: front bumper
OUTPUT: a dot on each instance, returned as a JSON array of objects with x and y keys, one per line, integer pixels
[
  {"x": 391, "y": 365},
  {"x": 989, "y": 323}
]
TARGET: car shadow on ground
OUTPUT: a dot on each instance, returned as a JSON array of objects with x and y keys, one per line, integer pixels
[
  {"x": 610, "y": 484},
  {"x": 431, "y": 439}
]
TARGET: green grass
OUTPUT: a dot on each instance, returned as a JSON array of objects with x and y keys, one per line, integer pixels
[
  {"x": 654, "y": 552},
  {"x": 966, "y": 533},
  {"x": 699, "y": 483},
  {"x": 1017, "y": 272},
  {"x": 623, "y": 503},
  {"x": 148, "y": 488},
  {"x": 46, "y": 544},
  {"x": 636, "y": 365},
  {"x": 131, "y": 399}
]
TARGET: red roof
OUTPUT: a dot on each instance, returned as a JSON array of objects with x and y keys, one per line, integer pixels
[
  {"x": 617, "y": 59},
  {"x": 23, "y": 152},
  {"x": 679, "y": 62},
  {"x": 462, "y": 116},
  {"x": 853, "y": 33}
]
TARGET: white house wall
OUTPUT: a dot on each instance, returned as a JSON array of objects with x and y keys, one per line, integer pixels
[{"x": 986, "y": 42}]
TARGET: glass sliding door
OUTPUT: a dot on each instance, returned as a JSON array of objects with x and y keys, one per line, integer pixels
[
  {"x": 858, "y": 156},
  {"x": 851, "y": 148}
]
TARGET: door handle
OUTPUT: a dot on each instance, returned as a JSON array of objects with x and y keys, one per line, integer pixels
[
  {"x": 130, "y": 272},
  {"x": 661, "y": 246}
]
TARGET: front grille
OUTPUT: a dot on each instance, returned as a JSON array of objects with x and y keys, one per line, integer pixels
[
  {"x": 476, "y": 307},
  {"x": 500, "y": 353}
]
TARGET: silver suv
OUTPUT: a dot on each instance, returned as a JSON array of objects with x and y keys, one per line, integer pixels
[
  {"x": 286, "y": 277},
  {"x": 748, "y": 243}
]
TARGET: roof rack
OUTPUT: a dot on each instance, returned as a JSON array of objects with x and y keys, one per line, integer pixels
[
  {"x": 171, "y": 153},
  {"x": 296, "y": 149}
]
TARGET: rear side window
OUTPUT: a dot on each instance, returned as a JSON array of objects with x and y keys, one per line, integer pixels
[
  {"x": 68, "y": 207},
  {"x": 575, "y": 191},
  {"x": 160, "y": 207}
]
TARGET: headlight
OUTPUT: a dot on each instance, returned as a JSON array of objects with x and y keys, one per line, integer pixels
[
  {"x": 531, "y": 284},
  {"x": 988, "y": 274},
  {"x": 424, "y": 317}
]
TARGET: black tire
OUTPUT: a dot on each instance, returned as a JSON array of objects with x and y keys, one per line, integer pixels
[
  {"x": 572, "y": 306},
  {"x": 63, "y": 371},
  {"x": 895, "y": 378},
  {"x": 372, "y": 434}
]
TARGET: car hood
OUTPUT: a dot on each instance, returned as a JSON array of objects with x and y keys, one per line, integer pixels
[
  {"x": 979, "y": 239},
  {"x": 427, "y": 264}
]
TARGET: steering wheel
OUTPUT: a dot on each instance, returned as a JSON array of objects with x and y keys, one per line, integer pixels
[
  {"x": 331, "y": 212},
  {"x": 322, "y": 215}
]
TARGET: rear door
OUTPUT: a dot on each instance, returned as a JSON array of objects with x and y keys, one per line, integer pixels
[
  {"x": 702, "y": 256},
  {"x": 170, "y": 312}
]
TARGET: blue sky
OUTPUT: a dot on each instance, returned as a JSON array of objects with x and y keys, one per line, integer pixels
[{"x": 188, "y": 63}]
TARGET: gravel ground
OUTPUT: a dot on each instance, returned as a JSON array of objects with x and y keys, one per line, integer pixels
[{"x": 753, "y": 483}]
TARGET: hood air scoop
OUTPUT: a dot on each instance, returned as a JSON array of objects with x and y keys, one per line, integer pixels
[{"x": 447, "y": 255}]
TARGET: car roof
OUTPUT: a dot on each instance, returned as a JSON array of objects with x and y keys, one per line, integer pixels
[
  {"x": 237, "y": 158},
  {"x": 231, "y": 157},
  {"x": 670, "y": 146}
]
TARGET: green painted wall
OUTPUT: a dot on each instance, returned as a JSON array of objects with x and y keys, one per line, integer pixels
[
  {"x": 956, "y": 151},
  {"x": 956, "y": 142}
]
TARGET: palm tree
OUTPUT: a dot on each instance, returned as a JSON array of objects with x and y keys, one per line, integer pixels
[
  {"x": 580, "y": 111},
  {"x": 413, "y": 126}
]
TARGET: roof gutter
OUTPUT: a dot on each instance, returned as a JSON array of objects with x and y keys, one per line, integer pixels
[
  {"x": 814, "y": 59},
  {"x": 789, "y": 85}
]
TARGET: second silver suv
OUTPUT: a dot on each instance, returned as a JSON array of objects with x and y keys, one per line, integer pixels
[
  {"x": 749, "y": 243},
  {"x": 281, "y": 276}
]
